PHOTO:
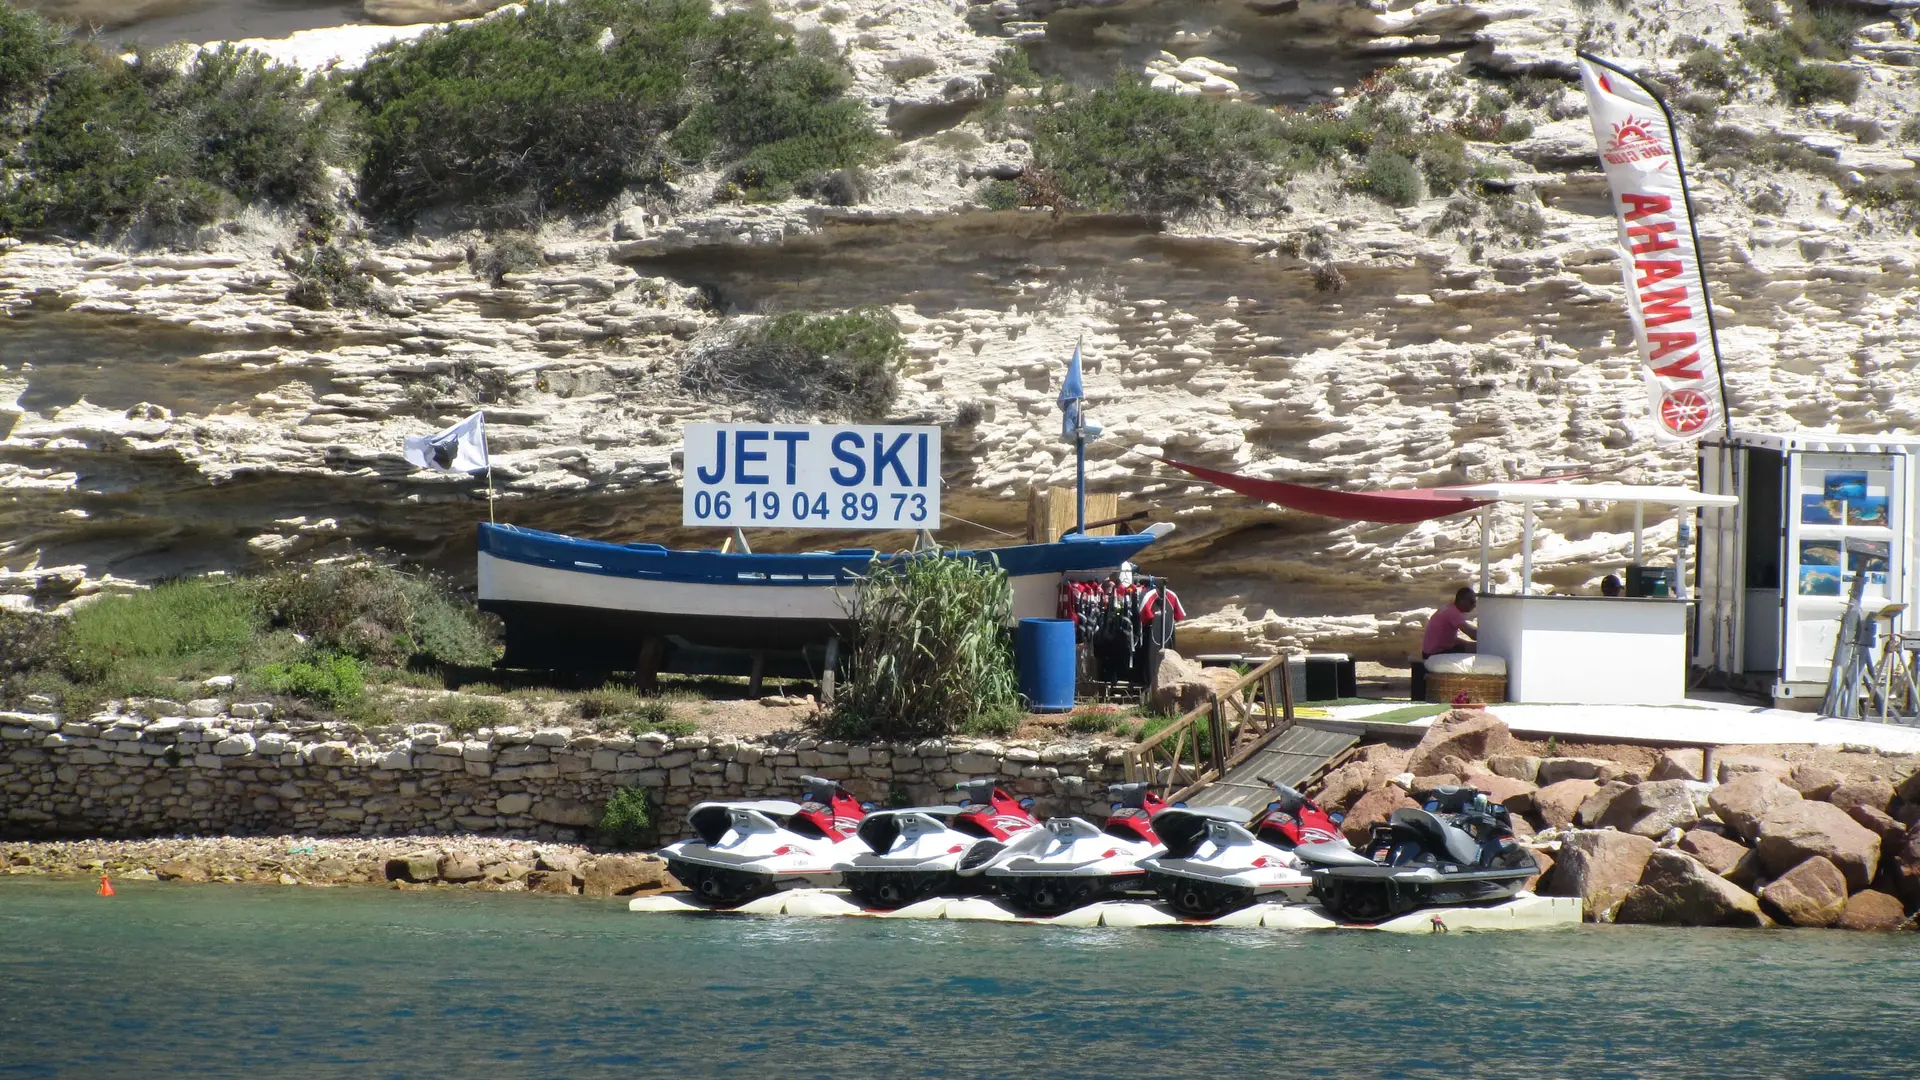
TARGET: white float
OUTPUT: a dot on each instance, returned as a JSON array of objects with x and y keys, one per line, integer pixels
[{"x": 1523, "y": 912}]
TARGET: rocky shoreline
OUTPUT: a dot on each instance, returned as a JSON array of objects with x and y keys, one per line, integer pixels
[
  {"x": 1792, "y": 836},
  {"x": 470, "y": 862}
]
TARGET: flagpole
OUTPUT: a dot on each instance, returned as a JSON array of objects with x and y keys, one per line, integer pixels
[
  {"x": 490, "y": 519},
  {"x": 1080, "y": 461}
]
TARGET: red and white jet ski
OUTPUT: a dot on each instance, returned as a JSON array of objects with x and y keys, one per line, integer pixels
[
  {"x": 909, "y": 855},
  {"x": 746, "y": 850},
  {"x": 1069, "y": 862}
]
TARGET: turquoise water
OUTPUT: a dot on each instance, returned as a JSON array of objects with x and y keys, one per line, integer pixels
[{"x": 218, "y": 981}]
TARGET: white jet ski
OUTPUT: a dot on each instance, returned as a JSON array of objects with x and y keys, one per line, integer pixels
[
  {"x": 745, "y": 850},
  {"x": 1212, "y": 865}
]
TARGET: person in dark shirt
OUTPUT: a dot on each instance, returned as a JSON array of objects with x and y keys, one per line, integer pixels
[{"x": 1610, "y": 586}]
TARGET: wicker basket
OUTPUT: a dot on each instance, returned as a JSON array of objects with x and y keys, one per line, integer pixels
[{"x": 1443, "y": 688}]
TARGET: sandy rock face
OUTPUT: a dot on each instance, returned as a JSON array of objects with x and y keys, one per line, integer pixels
[
  {"x": 408, "y": 12},
  {"x": 1600, "y": 867},
  {"x": 1677, "y": 889}
]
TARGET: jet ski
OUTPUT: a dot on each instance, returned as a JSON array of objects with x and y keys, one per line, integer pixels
[
  {"x": 1458, "y": 849},
  {"x": 745, "y": 850},
  {"x": 1292, "y": 819},
  {"x": 1213, "y": 864},
  {"x": 905, "y": 856},
  {"x": 1068, "y": 862}
]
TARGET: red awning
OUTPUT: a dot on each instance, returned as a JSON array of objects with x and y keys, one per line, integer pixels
[{"x": 1395, "y": 507}]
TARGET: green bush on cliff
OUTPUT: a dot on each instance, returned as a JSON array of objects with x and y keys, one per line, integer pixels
[
  {"x": 930, "y": 654},
  {"x": 29, "y": 48},
  {"x": 804, "y": 364},
  {"x": 627, "y": 818},
  {"x": 1130, "y": 147},
  {"x": 158, "y": 141},
  {"x": 560, "y": 108},
  {"x": 330, "y": 679},
  {"x": 375, "y": 613}
]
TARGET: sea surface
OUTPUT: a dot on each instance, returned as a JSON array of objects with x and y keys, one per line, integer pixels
[{"x": 227, "y": 981}]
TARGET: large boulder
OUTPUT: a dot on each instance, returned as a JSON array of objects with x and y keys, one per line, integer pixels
[
  {"x": 1652, "y": 808},
  {"x": 1909, "y": 788},
  {"x": 1742, "y": 802},
  {"x": 1728, "y": 858},
  {"x": 1555, "y": 769},
  {"x": 1797, "y": 831},
  {"x": 1181, "y": 685},
  {"x": 1871, "y": 910},
  {"x": 1556, "y": 804},
  {"x": 1594, "y": 810},
  {"x": 1373, "y": 808},
  {"x": 1677, "y": 889},
  {"x": 1811, "y": 894},
  {"x": 1341, "y": 786},
  {"x": 1463, "y": 734},
  {"x": 1545, "y": 861},
  {"x": 417, "y": 868},
  {"x": 1813, "y": 782},
  {"x": 1872, "y": 792},
  {"x": 1734, "y": 765},
  {"x": 1904, "y": 868},
  {"x": 1515, "y": 767},
  {"x": 460, "y": 866},
  {"x": 619, "y": 875},
  {"x": 1880, "y": 822},
  {"x": 1504, "y": 789},
  {"x": 1600, "y": 867},
  {"x": 1683, "y": 763}
]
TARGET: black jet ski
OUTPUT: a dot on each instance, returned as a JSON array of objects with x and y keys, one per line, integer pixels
[{"x": 1459, "y": 849}]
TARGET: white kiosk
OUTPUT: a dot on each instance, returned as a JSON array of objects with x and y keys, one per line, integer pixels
[
  {"x": 1590, "y": 649},
  {"x": 1774, "y": 573}
]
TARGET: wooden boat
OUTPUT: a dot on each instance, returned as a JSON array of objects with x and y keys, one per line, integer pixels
[{"x": 573, "y": 603}]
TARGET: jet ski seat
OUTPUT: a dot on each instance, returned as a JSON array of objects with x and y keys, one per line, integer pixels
[{"x": 1438, "y": 836}]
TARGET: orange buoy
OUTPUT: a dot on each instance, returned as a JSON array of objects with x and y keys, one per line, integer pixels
[{"x": 106, "y": 885}]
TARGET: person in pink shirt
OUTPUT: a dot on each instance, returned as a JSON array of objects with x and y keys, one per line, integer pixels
[{"x": 1449, "y": 631}]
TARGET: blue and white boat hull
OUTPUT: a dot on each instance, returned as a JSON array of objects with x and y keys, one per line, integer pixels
[{"x": 575, "y": 603}]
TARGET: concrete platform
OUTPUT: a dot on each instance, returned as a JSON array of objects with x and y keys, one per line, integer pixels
[
  {"x": 1697, "y": 723},
  {"x": 1524, "y": 912}
]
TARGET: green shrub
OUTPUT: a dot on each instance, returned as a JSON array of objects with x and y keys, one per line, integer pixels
[
  {"x": 375, "y": 613},
  {"x": 513, "y": 252},
  {"x": 325, "y": 278},
  {"x": 30, "y": 49},
  {"x": 1012, "y": 67},
  {"x": 30, "y": 640},
  {"x": 1804, "y": 84},
  {"x": 1392, "y": 178},
  {"x": 121, "y": 143},
  {"x": 330, "y": 679},
  {"x": 1710, "y": 67},
  {"x": 1001, "y": 195},
  {"x": 607, "y": 703},
  {"x": 504, "y": 120},
  {"x": 1199, "y": 737},
  {"x": 627, "y": 819},
  {"x": 657, "y": 716},
  {"x": 930, "y": 654},
  {"x": 181, "y": 628},
  {"x": 464, "y": 714},
  {"x": 1130, "y": 147},
  {"x": 808, "y": 365},
  {"x": 1790, "y": 54}
]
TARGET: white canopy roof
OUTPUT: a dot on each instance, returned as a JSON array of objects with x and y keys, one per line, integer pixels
[{"x": 1634, "y": 493}]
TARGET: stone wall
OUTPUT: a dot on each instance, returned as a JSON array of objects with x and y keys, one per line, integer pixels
[{"x": 241, "y": 771}]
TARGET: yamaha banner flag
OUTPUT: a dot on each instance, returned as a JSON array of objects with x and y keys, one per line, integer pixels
[{"x": 1666, "y": 292}]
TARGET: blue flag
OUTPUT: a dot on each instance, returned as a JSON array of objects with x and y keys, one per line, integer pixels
[{"x": 1071, "y": 395}]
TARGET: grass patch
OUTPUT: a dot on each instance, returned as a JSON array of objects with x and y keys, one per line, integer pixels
[
  {"x": 930, "y": 654},
  {"x": 181, "y": 629},
  {"x": 1406, "y": 714},
  {"x": 155, "y": 143},
  {"x": 627, "y": 818},
  {"x": 559, "y": 108},
  {"x": 463, "y": 714},
  {"x": 802, "y": 364}
]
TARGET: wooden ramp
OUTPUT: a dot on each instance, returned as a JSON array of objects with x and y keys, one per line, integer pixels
[{"x": 1293, "y": 756}]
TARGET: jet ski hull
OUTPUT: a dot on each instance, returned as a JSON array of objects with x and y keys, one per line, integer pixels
[{"x": 1362, "y": 894}]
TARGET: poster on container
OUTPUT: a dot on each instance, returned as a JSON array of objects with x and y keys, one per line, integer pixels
[
  {"x": 811, "y": 476},
  {"x": 1666, "y": 292}
]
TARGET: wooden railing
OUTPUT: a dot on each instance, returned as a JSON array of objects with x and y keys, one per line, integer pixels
[{"x": 1202, "y": 746}]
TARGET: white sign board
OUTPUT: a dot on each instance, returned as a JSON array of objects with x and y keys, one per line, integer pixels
[{"x": 811, "y": 476}]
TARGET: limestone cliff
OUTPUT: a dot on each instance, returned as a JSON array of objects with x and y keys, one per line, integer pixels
[{"x": 171, "y": 411}]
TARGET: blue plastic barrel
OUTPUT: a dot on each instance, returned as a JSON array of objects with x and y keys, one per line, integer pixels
[{"x": 1044, "y": 659}]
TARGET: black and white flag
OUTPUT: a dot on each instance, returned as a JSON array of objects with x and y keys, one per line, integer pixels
[{"x": 460, "y": 448}]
